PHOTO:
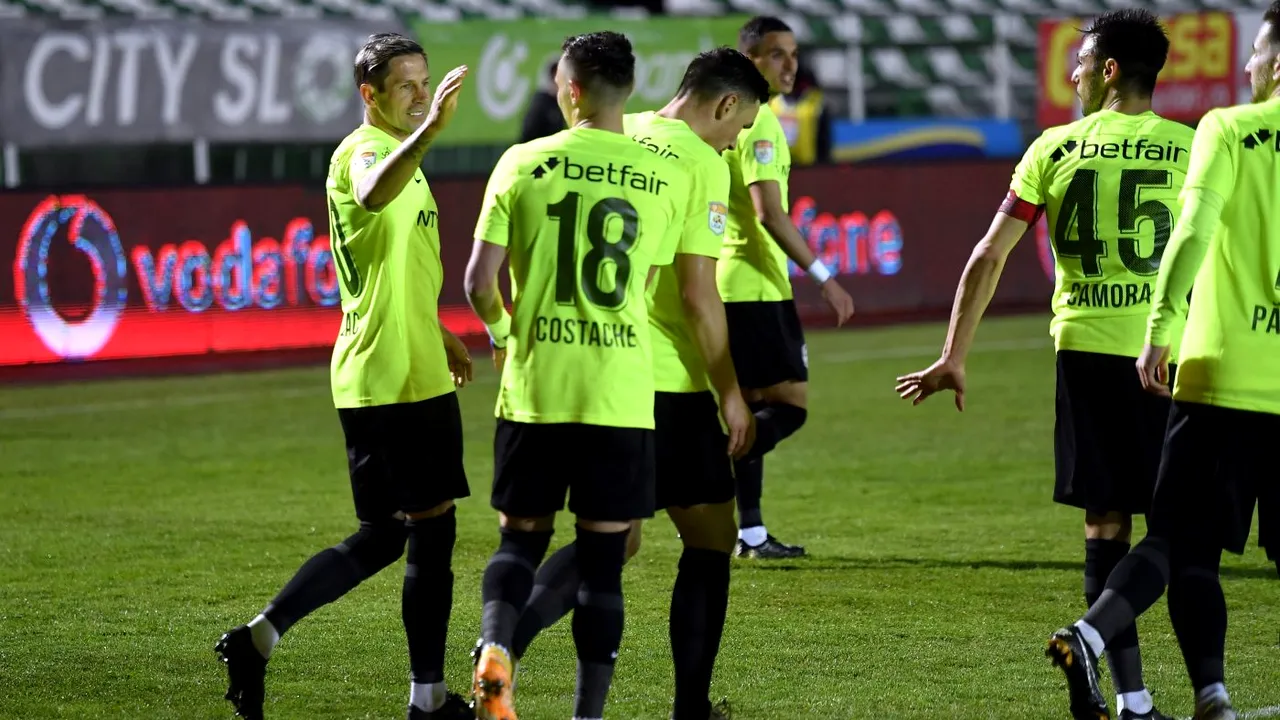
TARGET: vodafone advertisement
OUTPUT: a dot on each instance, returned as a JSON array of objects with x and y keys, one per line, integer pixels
[
  {"x": 142, "y": 274},
  {"x": 1205, "y": 67}
]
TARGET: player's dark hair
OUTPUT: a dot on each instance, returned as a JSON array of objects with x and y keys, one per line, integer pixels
[
  {"x": 721, "y": 71},
  {"x": 1136, "y": 40},
  {"x": 1272, "y": 15},
  {"x": 602, "y": 62},
  {"x": 373, "y": 62},
  {"x": 753, "y": 32},
  {"x": 551, "y": 69}
]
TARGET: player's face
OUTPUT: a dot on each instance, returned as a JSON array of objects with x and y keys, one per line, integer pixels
[
  {"x": 1264, "y": 65},
  {"x": 777, "y": 58},
  {"x": 1089, "y": 77},
  {"x": 405, "y": 96},
  {"x": 733, "y": 115}
]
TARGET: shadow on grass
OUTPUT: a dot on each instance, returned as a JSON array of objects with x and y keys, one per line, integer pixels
[{"x": 839, "y": 562}]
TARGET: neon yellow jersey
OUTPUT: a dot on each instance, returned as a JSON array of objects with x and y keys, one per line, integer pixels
[
  {"x": 753, "y": 266},
  {"x": 1231, "y": 346},
  {"x": 389, "y": 347},
  {"x": 678, "y": 365},
  {"x": 1109, "y": 183},
  {"x": 583, "y": 214}
]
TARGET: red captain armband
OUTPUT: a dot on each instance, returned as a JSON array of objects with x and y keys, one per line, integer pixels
[{"x": 1019, "y": 209}]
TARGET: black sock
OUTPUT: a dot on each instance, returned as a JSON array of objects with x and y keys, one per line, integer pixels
[
  {"x": 775, "y": 422},
  {"x": 1135, "y": 584},
  {"x": 749, "y": 474},
  {"x": 1123, "y": 655},
  {"x": 507, "y": 582},
  {"x": 555, "y": 594},
  {"x": 1198, "y": 612},
  {"x": 598, "y": 619},
  {"x": 334, "y": 572},
  {"x": 427, "y": 598},
  {"x": 699, "y": 602}
]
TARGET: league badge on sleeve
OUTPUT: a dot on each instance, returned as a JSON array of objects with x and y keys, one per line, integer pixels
[
  {"x": 717, "y": 216},
  {"x": 764, "y": 151},
  {"x": 368, "y": 158}
]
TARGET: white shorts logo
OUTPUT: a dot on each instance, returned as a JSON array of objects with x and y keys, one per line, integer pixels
[
  {"x": 804, "y": 355},
  {"x": 717, "y": 216}
]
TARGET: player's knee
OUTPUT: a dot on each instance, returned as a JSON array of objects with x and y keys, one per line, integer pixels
[
  {"x": 633, "y": 539},
  {"x": 787, "y": 393},
  {"x": 1108, "y": 526},
  {"x": 431, "y": 539},
  {"x": 707, "y": 527},
  {"x": 436, "y": 511},
  {"x": 376, "y": 545}
]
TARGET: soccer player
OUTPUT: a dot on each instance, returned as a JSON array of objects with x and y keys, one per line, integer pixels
[
  {"x": 720, "y": 96},
  {"x": 1218, "y": 456},
  {"x": 765, "y": 336},
  {"x": 584, "y": 215},
  {"x": 394, "y": 372},
  {"x": 1109, "y": 183}
]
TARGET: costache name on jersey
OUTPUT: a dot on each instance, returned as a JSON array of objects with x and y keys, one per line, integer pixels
[
  {"x": 1126, "y": 150},
  {"x": 624, "y": 176}
]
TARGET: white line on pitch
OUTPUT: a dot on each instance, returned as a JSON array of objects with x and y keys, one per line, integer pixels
[{"x": 1266, "y": 712}]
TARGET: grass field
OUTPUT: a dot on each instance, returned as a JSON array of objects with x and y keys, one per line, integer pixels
[{"x": 140, "y": 519}]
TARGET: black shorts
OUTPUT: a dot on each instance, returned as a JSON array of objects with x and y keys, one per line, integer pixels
[
  {"x": 1108, "y": 434},
  {"x": 1218, "y": 463},
  {"x": 607, "y": 471},
  {"x": 692, "y": 451},
  {"x": 405, "y": 457},
  {"x": 767, "y": 343}
]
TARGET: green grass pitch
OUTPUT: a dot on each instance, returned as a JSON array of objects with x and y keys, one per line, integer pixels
[{"x": 139, "y": 519}]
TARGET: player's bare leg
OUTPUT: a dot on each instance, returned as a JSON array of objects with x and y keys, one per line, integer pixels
[
  {"x": 699, "y": 602},
  {"x": 780, "y": 411},
  {"x": 508, "y": 580}
]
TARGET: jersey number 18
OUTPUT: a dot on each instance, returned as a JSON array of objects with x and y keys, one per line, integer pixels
[
  {"x": 565, "y": 213},
  {"x": 1080, "y": 208}
]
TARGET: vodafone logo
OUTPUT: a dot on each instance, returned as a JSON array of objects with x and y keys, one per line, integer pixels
[{"x": 91, "y": 231}]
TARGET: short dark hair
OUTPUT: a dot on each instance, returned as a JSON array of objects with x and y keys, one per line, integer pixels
[
  {"x": 753, "y": 32},
  {"x": 1136, "y": 40},
  {"x": 551, "y": 68},
  {"x": 1272, "y": 15},
  {"x": 373, "y": 62},
  {"x": 602, "y": 62},
  {"x": 724, "y": 70}
]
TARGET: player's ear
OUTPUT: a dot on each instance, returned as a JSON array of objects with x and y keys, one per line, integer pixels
[
  {"x": 575, "y": 92},
  {"x": 366, "y": 93},
  {"x": 1110, "y": 69},
  {"x": 726, "y": 106}
]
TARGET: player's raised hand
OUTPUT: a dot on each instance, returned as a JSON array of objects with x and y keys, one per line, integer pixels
[
  {"x": 445, "y": 102},
  {"x": 839, "y": 300},
  {"x": 741, "y": 422},
  {"x": 942, "y": 375},
  {"x": 459, "y": 359},
  {"x": 1153, "y": 369}
]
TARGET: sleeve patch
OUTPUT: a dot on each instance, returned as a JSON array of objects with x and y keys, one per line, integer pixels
[
  {"x": 367, "y": 159},
  {"x": 1019, "y": 209},
  {"x": 763, "y": 150},
  {"x": 717, "y": 216}
]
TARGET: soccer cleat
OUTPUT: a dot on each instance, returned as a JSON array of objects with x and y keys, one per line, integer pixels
[
  {"x": 720, "y": 711},
  {"x": 1070, "y": 652},
  {"x": 1155, "y": 714},
  {"x": 770, "y": 549},
  {"x": 246, "y": 672},
  {"x": 492, "y": 686},
  {"x": 454, "y": 708},
  {"x": 1216, "y": 709}
]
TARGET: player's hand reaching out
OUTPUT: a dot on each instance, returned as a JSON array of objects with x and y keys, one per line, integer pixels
[
  {"x": 445, "y": 102},
  {"x": 459, "y": 359},
  {"x": 838, "y": 299},
  {"x": 942, "y": 375},
  {"x": 741, "y": 422},
  {"x": 1153, "y": 369}
]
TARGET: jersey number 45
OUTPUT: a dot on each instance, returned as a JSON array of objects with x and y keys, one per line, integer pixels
[{"x": 1080, "y": 209}]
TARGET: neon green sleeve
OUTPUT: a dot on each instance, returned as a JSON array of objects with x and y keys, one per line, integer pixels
[
  {"x": 1028, "y": 174},
  {"x": 494, "y": 224},
  {"x": 1210, "y": 180},
  {"x": 708, "y": 210}
]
